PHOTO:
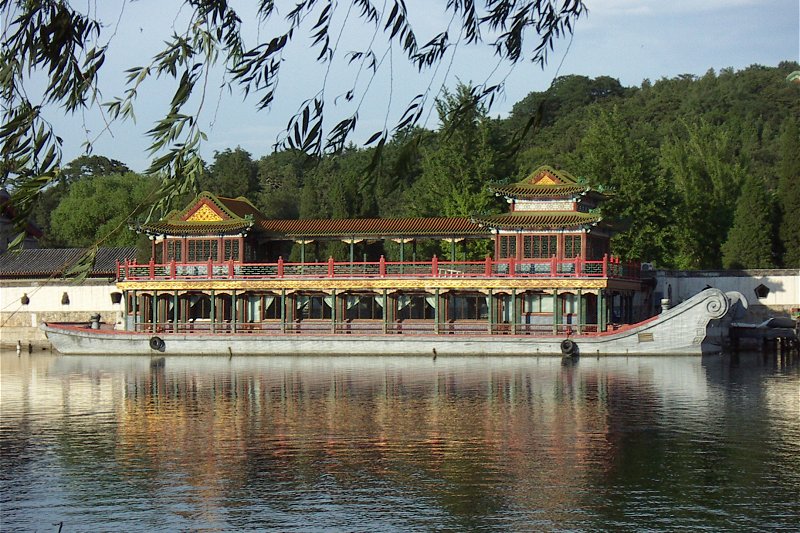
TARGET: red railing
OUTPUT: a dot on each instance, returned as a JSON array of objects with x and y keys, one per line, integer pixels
[{"x": 608, "y": 267}]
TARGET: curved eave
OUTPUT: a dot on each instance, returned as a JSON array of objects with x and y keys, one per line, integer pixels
[
  {"x": 537, "y": 192},
  {"x": 408, "y": 228},
  {"x": 540, "y": 221},
  {"x": 236, "y": 227}
]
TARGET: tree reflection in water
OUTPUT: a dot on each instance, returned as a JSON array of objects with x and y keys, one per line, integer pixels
[{"x": 406, "y": 443}]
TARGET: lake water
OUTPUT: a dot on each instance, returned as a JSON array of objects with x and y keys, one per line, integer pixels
[{"x": 383, "y": 443}]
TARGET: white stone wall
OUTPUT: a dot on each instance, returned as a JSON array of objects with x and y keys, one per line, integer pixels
[
  {"x": 21, "y": 322},
  {"x": 783, "y": 285}
]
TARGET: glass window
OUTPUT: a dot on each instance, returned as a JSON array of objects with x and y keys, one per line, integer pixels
[
  {"x": 467, "y": 307},
  {"x": 537, "y": 302},
  {"x": 199, "y": 306},
  {"x": 415, "y": 307},
  {"x": 313, "y": 307},
  {"x": 363, "y": 307}
]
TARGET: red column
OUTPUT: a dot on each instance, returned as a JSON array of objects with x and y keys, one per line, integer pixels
[
  {"x": 382, "y": 267},
  {"x": 330, "y": 267},
  {"x": 435, "y": 266},
  {"x": 280, "y": 266},
  {"x": 487, "y": 270}
]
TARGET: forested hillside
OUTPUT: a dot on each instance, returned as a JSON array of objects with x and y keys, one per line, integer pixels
[{"x": 702, "y": 172}]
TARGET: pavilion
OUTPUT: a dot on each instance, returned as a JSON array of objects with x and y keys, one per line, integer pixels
[{"x": 218, "y": 265}]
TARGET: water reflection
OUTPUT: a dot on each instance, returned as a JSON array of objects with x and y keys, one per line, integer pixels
[{"x": 361, "y": 443}]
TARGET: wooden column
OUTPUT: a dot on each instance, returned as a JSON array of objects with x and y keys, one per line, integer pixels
[
  {"x": 490, "y": 306},
  {"x": 175, "y": 311},
  {"x": 513, "y": 318},
  {"x": 283, "y": 310},
  {"x": 213, "y": 310},
  {"x": 436, "y": 311},
  {"x": 155, "y": 310},
  {"x": 234, "y": 310},
  {"x": 601, "y": 311},
  {"x": 556, "y": 312},
  {"x": 580, "y": 312},
  {"x": 334, "y": 314},
  {"x": 386, "y": 311}
]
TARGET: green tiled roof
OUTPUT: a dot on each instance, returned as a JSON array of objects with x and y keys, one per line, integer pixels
[
  {"x": 538, "y": 220},
  {"x": 557, "y": 184}
]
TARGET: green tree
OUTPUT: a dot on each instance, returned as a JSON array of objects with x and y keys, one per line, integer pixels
[
  {"x": 280, "y": 177},
  {"x": 749, "y": 242},
  {"x": 702, "y": 163},
  {"x": 91, "y": 165},
  {"x": 458, "y": 168},
  {"x": 232, "y": 174},
  {"x": 639, "y": 198},
  {"x": 77, "y": 169},
  {"x": 96, "y": 210},
  {"x": 789, "y": 193},
  {"x": 54, "y": 53}
]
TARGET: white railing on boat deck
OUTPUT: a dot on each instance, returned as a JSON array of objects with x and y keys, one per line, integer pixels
[{"x": 366, "y": 327}]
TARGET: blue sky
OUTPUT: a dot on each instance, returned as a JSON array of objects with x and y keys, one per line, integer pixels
[{"x": 630, "y": 40}]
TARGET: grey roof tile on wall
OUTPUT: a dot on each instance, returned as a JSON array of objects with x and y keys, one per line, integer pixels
[{"x": 46, "y": 262}]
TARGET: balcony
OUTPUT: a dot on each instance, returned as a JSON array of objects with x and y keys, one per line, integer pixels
[{"x": 608, "y": 267}]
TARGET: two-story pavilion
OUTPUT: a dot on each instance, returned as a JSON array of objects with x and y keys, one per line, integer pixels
[{"x": 215, "y": 267}]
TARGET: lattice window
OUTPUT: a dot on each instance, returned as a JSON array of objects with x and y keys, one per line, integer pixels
[
  {"x": 174, "y": 249},
  {"x": 202, "y": 250},
  {"x": 232, "y": 249},
  {"x": 551, "y": 245},
  {"x": 508, "y": 246},
  {"x": 542, "y": 246},
  {"x": 572, "y": 246}
]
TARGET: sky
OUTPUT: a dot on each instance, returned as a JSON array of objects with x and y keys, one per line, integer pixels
[{"x": 631, "y": 40}]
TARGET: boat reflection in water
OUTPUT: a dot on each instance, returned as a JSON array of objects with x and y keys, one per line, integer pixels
[{"x": 399, "y": 442}]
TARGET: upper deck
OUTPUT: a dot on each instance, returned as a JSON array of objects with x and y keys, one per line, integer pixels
[{"x": 488, "y": 269}]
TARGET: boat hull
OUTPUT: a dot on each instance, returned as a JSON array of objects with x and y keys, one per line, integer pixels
[{"x": 695, "y": 327}]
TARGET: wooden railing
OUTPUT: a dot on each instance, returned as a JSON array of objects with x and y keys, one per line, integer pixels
[{"x": 608, "y": 267}]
